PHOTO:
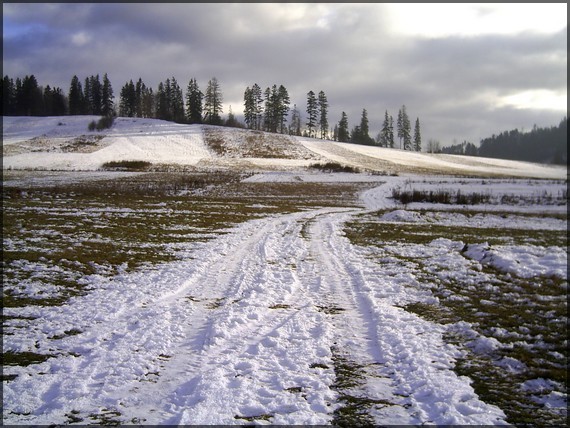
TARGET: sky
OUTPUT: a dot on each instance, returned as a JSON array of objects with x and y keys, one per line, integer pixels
[{"x": 467, "y": 71}]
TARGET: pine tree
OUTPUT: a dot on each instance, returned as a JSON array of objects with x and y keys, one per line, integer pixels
[
  {"x": 323, "y": 111},
  {"x": 384, "y": 139},
  {"x": 161, "y": 102},
  {"x": 295, "y": 125},
  {"x": 176, "y": 102},
  {"x": 29, "y": 97},
  {"x": 269, "y": 111},
  {"x": 257, "y": 95},
  {"x": 417, "y": 136},
  {"x": 107, "y": 103},
  {"x": 391, "y": 143},
  {"x": 8, "y": 96},
  {"x": 312, "y": 111},
  {"x": 127, "y": 101},
  {"x": 343, "y": 135},
  {"x": 194, "y": 99},
  {"x": 249, "y": 108},
  {"x": 231, "y": 122},
  {"x": 75, "y": 97},
  {"x": 96, "y": 95},
  {"x": 282, "y": 108},
  {"x": 213, "y": 103},
  {"x": 364, "y": 129},
  {"x": 404, "y": 129},
  {"x": 400, "y": 126}
]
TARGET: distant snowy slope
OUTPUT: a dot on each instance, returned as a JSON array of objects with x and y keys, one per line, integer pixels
[{"x": 64, "y": 143}]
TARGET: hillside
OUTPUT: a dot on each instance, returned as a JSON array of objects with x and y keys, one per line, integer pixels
[{"x": 64, "y": 143}]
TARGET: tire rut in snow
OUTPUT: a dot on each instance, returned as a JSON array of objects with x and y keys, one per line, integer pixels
[
  {"x": 261, "y": 350},
  {"x": 364, "y": 395}
]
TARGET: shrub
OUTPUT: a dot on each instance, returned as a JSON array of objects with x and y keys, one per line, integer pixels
[
  {"x": 334, "y": 167},
  {"x": 132, "y": 165},
  {"x": 105, "y": 122}
]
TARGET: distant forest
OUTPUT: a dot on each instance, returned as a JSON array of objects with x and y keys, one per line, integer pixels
[
  {"x": 263, "y": 110},
  {"x": 542, "y": 145}
]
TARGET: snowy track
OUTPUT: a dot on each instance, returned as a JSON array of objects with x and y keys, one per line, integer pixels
[{"x": 248, "y": 331}]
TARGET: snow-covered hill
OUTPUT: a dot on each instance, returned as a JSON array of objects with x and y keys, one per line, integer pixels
[{"x": 64, "y": 143}]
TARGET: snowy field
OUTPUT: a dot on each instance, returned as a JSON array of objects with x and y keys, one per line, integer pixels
[
  {"x": 285, "y": 296},
  {"x": 64, "y": 143}
]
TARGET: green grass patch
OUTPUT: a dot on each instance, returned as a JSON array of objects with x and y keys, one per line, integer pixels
[{"x": 527, "y": 316}]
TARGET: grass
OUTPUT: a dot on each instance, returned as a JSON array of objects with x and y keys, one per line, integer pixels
[
  {"x": 527, "y": 316},
  {"x": 355, "y": 407},
  {"x": 56, "y": 235}
]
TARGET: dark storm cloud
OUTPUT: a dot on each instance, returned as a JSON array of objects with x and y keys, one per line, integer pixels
[{"x": 453, "y": 84}]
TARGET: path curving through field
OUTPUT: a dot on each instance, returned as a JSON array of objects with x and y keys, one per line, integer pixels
[{"x": 281, "y": 321}]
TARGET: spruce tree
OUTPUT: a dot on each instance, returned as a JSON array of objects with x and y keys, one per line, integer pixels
[
  {"x": 404, "y": 128},
  {"x": 283, "y": 102},
  {"x": 76, "y": 100},
  {"x": 213, "y": 103},
  {"x": 176, "y": 102},
  {"x": 8, "y": 96},
  {"x": 107, "y": 103},
  {"x": 295, "y": 125},
  {"x": 391, "y": 143},
  {"x": 323, "y": 111},
  {"x": 417, "y": 136},
  {"x": 194, "y": 99},
  {"x": 249, "y": 108},
  {"x": 343, "y": 135},
  {"x": 269, "y": 111},
  {"x": 384, "y": 139},
  {"x": 257, "y": 97},
  {"x": 127, "y": 101},
  {"x": 312, "y": 111}
]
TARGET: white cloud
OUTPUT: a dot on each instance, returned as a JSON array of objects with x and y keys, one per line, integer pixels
[
  {"x": 537, "y": 99},
  {"x": 80, "y": 39},
  {"x": 469, "y": 19}
]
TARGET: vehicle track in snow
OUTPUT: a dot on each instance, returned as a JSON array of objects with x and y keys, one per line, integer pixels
[
  {"x": 260, "y": 327},
  {"x": 294, "y": 300}
]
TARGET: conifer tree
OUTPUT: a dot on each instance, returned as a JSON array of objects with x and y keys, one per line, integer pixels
[
  {"x": 295, "y": 126},
  {"x": 385, "y": 132},
  {"x": 343, "y": 135},
  {"x": 312, "y": 111},
  {"x": 213, "y": 103},
  {"x": 417, "y": 136},
  {"x": 76, "y": 97},
  {"x": 268, "y": 110},
  {"x": 282, "y": 108},
  {"x": 127, "y": 101},
  {"x": 107, "y": 103},
  {"x": 194, "y": 99},
  {"x": 249, "y": 108},
  {"x": 404, "y": 129},
  {"x": 176, "y": 102},
  {"x": 257, "y": 95},
  {"x": 391, "y": 143},
  {"x": 323, "y": 111}
]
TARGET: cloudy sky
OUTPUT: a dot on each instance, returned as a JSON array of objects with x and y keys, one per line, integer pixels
[{"x": 466, "y": 70}]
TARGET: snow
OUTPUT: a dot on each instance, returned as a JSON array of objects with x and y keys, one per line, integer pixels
[
  {"x": 43, "y": 143},
  {"x": 239, "y": 331}
]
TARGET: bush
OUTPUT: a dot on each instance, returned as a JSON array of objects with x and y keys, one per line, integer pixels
[
  {"x": 105, "y": 122},
  {"x": 439, "y": 197},
  {"x": 127, "y": 165},
  {"x": 334, "y": 167}
]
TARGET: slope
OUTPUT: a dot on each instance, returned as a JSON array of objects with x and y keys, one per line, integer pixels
[{"x": 64, "y": 143}]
